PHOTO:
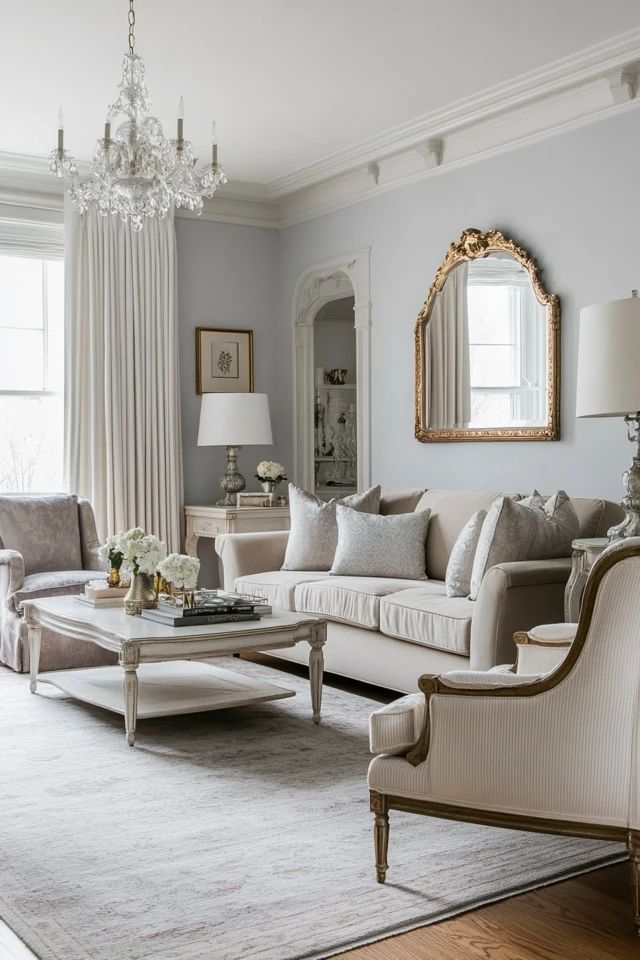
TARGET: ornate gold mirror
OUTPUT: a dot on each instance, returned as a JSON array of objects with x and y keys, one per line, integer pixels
[{"x": 487, "y": 346}]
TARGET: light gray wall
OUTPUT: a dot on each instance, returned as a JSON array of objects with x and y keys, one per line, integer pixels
[
  {"x": 227, "y": 278},
  {"x": 574, "y": 202}
]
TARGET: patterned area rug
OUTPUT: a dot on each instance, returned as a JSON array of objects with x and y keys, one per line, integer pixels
[{"x": 242, "y": 834}]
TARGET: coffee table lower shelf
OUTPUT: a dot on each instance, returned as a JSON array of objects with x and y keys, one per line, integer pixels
[{"x": 166, "y": 689}]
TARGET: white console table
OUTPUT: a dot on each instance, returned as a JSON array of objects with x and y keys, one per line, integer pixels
[{"x": 214, "y": 521}]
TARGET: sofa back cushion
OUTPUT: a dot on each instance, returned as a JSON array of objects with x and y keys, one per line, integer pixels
[
  {"x": 450, "y": 511},
  {"x": 399, "y": 501},
  {"x": 44, "y": 529}
]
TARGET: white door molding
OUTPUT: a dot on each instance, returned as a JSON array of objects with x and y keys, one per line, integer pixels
[{"x": 319, "y": 284}]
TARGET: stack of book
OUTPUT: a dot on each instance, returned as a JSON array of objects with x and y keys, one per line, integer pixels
[
  {"x": 211, "y": 606},
  {"x": 98, "y": 593}
]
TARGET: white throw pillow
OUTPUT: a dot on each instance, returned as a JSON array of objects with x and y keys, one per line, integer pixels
[
  {"x": 314, "y": 531},
  {"x": 378, "y": 546},
  {"x": 514, "y": 531},
  {"x": 460, "y": 565}
]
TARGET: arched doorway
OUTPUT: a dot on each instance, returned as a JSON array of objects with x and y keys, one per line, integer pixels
[{"x": 320, "y": 284}]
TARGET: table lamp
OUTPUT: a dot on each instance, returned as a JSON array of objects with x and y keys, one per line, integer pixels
[
  {"x": 609, "y": 385},
  {"x": 234, "y": 420}
]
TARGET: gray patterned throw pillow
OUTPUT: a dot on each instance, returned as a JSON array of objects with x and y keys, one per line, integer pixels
[
  {"x": 379, "y": 546},
  {"x": 515, "y": 531},
  {"x": 460, "y": 565},
  {"x": 314, "y": 531}
]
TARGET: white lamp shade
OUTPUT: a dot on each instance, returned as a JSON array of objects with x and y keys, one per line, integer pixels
[
  {"x": 234, "y": 420},
  {"x": 609, "y": 359}
]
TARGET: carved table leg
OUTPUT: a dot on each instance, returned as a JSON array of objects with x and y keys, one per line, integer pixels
[
  {"x": 316, "y": 667},
  {"x": 130, "y": 690},
  {"x": 35, "y": 634},
  {"x": 633, "y": 845},
  {"x": 380, "y": 833}
]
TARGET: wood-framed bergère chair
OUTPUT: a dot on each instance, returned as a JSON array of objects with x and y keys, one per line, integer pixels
[{"x": 558, "y": 753}]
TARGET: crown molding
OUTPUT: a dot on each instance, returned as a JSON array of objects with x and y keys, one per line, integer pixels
[{"x": 599, "y": 82}]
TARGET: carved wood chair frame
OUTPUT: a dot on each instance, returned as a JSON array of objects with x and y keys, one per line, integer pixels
[
  {"x": 475, "y": 245},
  {"x": 430, "y": 685}
]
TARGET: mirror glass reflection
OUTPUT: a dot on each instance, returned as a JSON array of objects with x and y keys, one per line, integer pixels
[{"x": 485, "y": 348}]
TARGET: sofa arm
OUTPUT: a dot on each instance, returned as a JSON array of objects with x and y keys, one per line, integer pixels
[
  {"x": 89, "y": 540},
  {"x": 242, "y": 554},
  {"x": 11, "y": 573},
  {"x": 515, "y": 597}
]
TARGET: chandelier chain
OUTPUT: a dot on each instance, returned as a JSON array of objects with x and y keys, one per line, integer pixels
[{"x": 132, "y": 24}]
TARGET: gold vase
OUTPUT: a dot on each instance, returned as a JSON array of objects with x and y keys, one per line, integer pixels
[
  {"x": 113, "y": 577},
  {"x": 141, "y": 595}
]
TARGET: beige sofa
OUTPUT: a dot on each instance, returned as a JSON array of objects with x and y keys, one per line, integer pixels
[{"x": 388, "y": 632}]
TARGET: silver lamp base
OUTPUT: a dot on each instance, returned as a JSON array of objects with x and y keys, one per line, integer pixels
[
  {"x": 232, "y": 482},
  {"x": 630, "y": 526}
]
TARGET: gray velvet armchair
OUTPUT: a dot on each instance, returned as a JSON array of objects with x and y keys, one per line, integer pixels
[{"x": 48, "y": 547}]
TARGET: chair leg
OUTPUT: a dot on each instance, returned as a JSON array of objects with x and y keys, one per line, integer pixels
[
  {"x": 633, "y": 846},
  {"x": 379, "y": 807}
]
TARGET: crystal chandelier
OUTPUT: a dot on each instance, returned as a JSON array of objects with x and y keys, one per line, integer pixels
[{"x": 137, "y": 173}]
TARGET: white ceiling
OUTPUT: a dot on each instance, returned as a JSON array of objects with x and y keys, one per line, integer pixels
[{"x": 289, "y": 81}]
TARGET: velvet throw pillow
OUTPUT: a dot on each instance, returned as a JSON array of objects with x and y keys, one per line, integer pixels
[
  {"x": 313, "y": 536},
  {"x": 518, "y": 530},
  {"x": 381, "y": 546},
  {"x": 460, "y": 565}
]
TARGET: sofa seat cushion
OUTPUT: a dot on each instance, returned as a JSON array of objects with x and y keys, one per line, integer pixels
[
  {"x": 44, "y": 529},
  {"x": 277, "y": 587},
  {"x": 396, "y": 726},
  {"x": 419, "y": 616},
  {"x": 354, "y": 600},
  {"x": 60, "y": 583}
]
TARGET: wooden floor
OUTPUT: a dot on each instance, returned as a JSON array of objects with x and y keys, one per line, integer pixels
[{"x": 588, "y": 918}]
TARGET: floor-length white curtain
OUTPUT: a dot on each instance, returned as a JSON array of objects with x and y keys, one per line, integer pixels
[
  {"x": 123, "y": 448},
  {"x": 448, "y": 387}
]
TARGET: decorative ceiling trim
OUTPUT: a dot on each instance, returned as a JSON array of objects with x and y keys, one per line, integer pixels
[{"x": 599, "y": 82}]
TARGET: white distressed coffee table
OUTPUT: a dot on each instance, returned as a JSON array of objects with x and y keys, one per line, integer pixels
[{"x": 170, "y": 683}]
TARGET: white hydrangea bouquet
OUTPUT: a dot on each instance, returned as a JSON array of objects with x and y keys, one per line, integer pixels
[
  {"x": 110, "y": 553},
  {"x": 270, "y": 470},
  {"x": 141, "y": 552},
  {"x": 180, "y": 571},
  {"x": 270, "y": 473}
]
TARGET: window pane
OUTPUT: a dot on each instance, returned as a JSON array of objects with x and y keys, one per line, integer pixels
[
  {"x": 493, "y": 366},
  {"x": 489, "y": 314},
  {"x": 55, "y": 324},
  {"x": 490, "y": 409},
  {"x": 31, "y": 432},
  {"x": 20, "y": 292},
  {"x": 21, "y": 360}
]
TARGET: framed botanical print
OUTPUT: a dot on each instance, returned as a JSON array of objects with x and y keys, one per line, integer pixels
[{"x": 224, "y": 361}]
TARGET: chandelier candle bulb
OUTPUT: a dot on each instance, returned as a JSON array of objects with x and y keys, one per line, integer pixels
[
  {"x": 214, "y": 144},
  {"x": 60, "y": 131},
  {"x": 107, "y": 131},
  {"x": 180, "y": 119}
]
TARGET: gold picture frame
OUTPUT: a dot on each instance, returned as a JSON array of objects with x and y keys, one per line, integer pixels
[
  {"x": 224, "y": 360},
  {"x": 472, "y": 245}
]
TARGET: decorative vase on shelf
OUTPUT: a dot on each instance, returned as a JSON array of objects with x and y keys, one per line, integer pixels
[
  {"x": 113, "y": 577},
  {"x": 269, "y": 486},
  {"x": 141, "y": 595}
]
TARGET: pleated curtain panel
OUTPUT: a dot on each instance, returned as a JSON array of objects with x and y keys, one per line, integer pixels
[
  {"x": 123, "y": 448},
  {"x": 448, "y": 395}
]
